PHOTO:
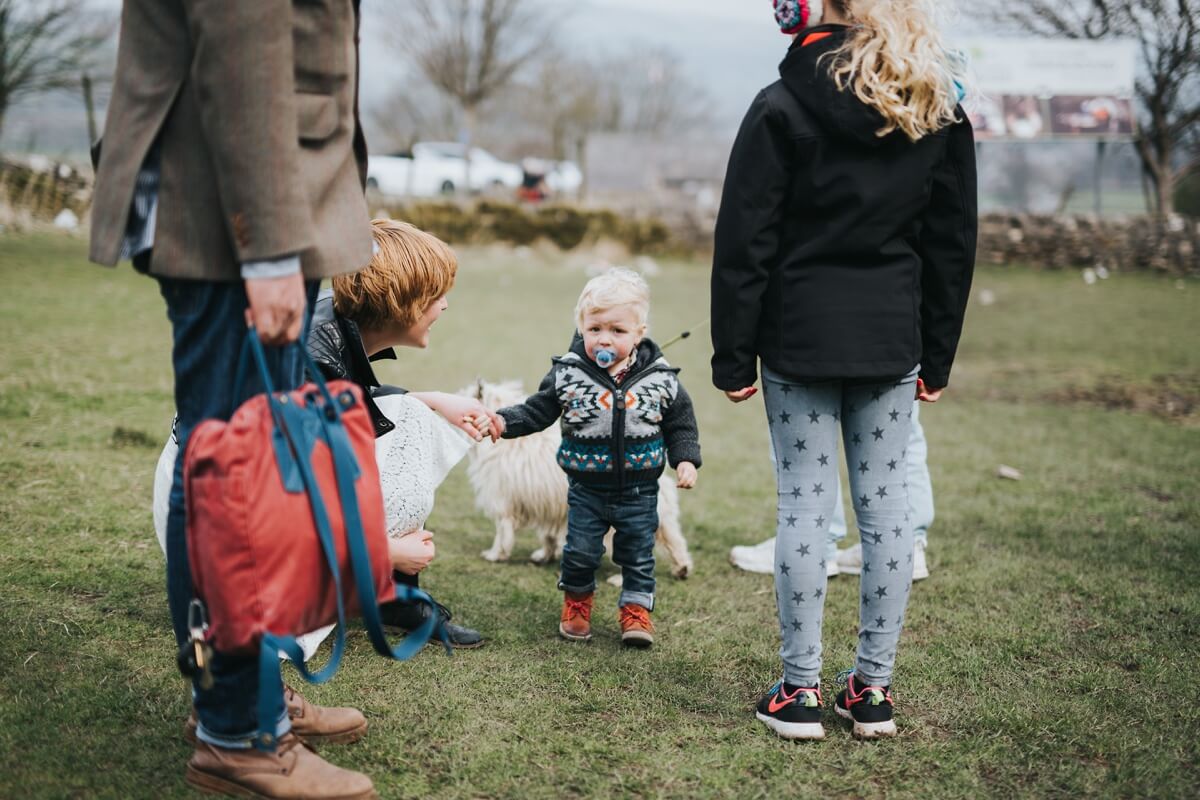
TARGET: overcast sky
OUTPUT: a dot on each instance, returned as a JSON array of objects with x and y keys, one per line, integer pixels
[{"x": 729, "y": 47}]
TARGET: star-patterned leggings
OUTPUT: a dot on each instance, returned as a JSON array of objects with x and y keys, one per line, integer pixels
[{"x": 874, "y": 420}]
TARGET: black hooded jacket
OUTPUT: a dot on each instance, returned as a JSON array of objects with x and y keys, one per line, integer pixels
[{"x": 839, "y": 253}]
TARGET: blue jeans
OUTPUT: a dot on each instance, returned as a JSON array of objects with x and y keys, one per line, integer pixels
[
  {"x": 920, "y": 489},
  {"x": 806, "y": 421},
  {"x": 209, "y": 327},
  {"x": 633, "y": 513}
]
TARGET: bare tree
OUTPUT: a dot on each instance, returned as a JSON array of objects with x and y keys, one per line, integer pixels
[
  {"x": 648, "y": 91},
  {"x": 470, "y": 50},
  {"x": 412, "y": 112},
  {"x": 1168, "y": 33},
  {"x": 638, "y": 91},
  {"x": 45, "y": 45}
]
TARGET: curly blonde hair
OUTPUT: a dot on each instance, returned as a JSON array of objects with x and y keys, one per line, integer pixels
[
  {"x": 409, "y": 271},
  {"x": 894, "y": 61}
]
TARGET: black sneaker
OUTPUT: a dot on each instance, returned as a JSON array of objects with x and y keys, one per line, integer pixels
[
  {"x": 794, "y": 714},
  {"x": 407, "y": 617},
  {"x": 870, "y": 707}
]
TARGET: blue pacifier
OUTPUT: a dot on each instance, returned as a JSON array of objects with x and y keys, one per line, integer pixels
[{"x": 605, "y": 357}]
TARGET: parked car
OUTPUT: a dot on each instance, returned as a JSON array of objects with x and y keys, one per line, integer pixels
[
  {"x": 439, "y": 168},
  {"x": 564, "y": 177}
]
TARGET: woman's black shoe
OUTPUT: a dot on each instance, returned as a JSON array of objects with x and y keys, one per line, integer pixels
[{"x": 407, "y": 617}]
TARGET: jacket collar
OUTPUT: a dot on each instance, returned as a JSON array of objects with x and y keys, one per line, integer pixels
[
  {"x": 649, "y": 357},
  {"x": 354, "y": 355}
]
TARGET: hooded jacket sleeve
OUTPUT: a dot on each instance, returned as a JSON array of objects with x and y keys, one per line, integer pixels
[
  {"x": 680, "y": 432},
  {"x": 747, "y": 241},
  {"x": 947, "y": 249},
  {"x": 538, "y": 412}
]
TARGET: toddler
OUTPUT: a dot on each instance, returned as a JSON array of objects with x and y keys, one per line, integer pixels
[{"x": 624, "y": 415}]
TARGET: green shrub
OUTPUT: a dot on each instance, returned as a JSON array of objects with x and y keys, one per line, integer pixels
[{"x": 567, "y": 227}]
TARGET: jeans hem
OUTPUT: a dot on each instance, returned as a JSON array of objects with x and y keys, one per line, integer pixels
[
  {"x": 242, "y": 741},
  {"x": 587, "y": 589},
  {"x": 643, "y": 599}
]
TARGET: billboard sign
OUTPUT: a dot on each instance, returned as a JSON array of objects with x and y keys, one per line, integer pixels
[{"x": 1051, "y": 88}]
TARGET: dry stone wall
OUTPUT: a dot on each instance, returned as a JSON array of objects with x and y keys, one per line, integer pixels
[{"x": 1117, "y": 244}]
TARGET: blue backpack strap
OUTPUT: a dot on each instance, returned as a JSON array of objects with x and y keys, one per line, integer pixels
[
  {"x": 294, "y": 425},
  {"x": 345, "y": 468},
  {"x": 289, "y": 422}
]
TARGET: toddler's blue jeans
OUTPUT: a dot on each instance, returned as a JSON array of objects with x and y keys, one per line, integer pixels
[{"x": 633, "y": 513}]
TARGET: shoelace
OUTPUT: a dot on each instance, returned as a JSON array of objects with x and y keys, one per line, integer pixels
[
  {"x": 635, "y": 614},
  {"x": 578, "y": 608}
]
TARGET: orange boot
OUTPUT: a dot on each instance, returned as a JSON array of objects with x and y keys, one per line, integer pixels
[
  {"x": 636, "y": 628},
  {"x": 576, "y": 622}
]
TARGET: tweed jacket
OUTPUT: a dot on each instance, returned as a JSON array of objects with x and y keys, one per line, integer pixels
[
  {"x": 254, "y": 106},
  {"x": 612, "y": 435}
]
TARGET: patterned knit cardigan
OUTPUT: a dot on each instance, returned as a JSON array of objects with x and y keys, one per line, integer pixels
[{"x": 612, "y": 436}]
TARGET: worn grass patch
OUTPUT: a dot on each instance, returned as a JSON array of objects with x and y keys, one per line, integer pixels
[{"x": 1047, "y": 656}]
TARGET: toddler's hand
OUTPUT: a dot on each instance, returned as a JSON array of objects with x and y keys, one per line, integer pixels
[
  {"x": 686, "y": 473},
  {"x": 480, "y": 424}
]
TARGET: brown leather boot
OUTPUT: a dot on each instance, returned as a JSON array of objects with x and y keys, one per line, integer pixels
[
  {"x": 576, "y": 621},
  {"x": 293, "y": 771},
  {"x": 312, "y": 723}
]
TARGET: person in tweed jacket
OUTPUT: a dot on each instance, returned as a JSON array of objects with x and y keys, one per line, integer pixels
[{"x": 625, "y": 415}]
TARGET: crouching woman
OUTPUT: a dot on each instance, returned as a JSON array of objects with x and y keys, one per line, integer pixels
[{"x": 393, "y": 302}]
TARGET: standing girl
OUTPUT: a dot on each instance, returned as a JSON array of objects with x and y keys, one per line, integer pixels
[{"x": 844, "y": 251}]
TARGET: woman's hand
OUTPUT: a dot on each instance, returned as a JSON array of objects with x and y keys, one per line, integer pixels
[
  {"x": 685, "y": 471},
  {"x": 464, "y": 413},
  {"x": 412, "y": 552},
  {"x": 927, "y": 395},
  {"x": 741, "y": 394}
]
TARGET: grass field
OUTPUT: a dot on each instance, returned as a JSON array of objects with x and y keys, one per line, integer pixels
[{"x": 1047, "y": 656}]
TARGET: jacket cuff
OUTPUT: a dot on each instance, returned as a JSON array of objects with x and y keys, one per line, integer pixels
[
  {"x": 273, "y": 268},
  {"x": 934, "y": 380},
  {"x": 732, "y": 383},
  {"x": 689, "y": 451}
]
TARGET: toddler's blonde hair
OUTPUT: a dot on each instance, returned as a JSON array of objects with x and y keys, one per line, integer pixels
[
  {"x": 894, "y": 61},
  {"x": 616, "y": 288}
]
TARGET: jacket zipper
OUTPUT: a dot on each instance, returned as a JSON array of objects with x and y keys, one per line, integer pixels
[{"x": 618, "y": 431}]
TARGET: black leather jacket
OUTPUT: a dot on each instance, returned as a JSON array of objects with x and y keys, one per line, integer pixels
[{"x": 337, "y": 348}]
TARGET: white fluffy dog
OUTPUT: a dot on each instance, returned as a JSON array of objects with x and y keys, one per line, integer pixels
[{"x": 518, "y": 484}]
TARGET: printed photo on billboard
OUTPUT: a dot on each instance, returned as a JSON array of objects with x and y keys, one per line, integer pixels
[
  {"x": 1099, "y": 115},
  {"x": 987, "y": 117},
  {"x": 1023, "y": 117}
]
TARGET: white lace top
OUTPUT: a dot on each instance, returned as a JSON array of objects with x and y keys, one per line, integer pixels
[{"x": 414, "y": 459}]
